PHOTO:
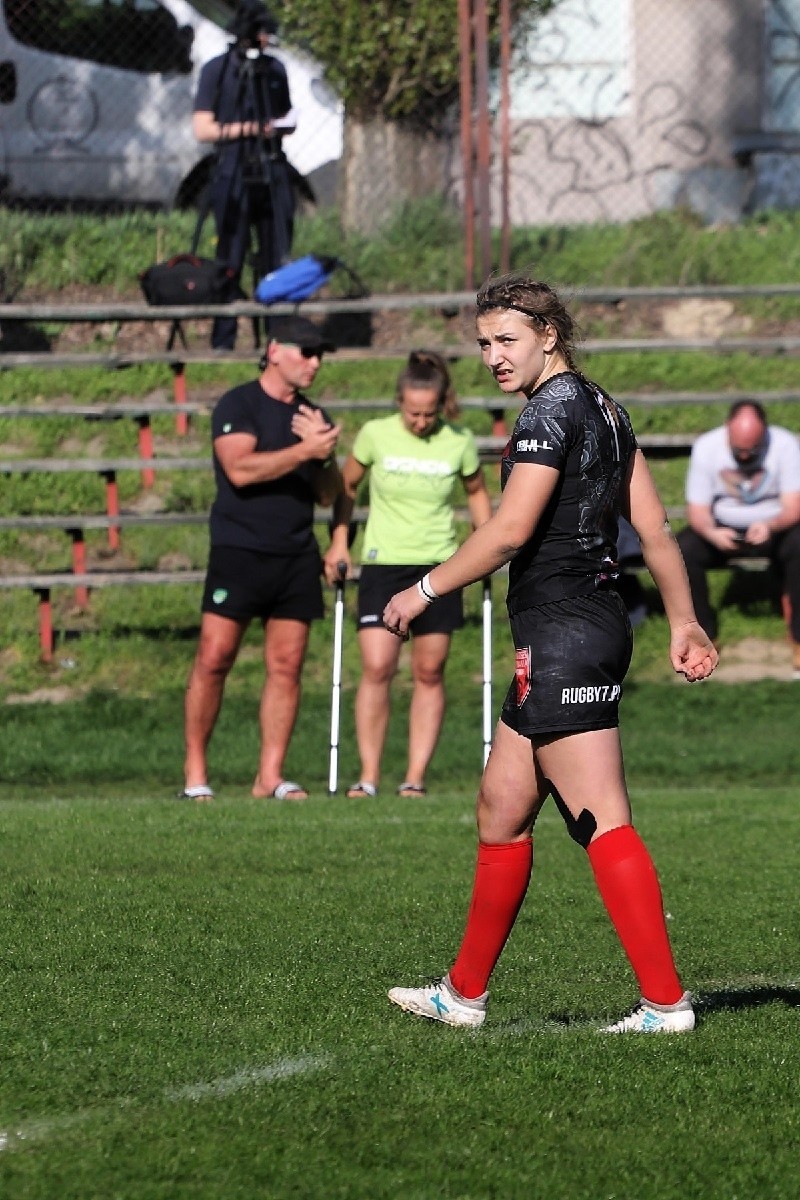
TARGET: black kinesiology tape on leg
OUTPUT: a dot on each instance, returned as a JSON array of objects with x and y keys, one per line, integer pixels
[{"x": 581, "y": 828}]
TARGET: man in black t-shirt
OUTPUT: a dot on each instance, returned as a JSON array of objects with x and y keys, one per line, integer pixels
[
  {"x": 274, "y": 457},
  {"x": 243, "y": 107}
]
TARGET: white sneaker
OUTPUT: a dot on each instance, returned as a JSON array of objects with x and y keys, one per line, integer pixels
[
  {"x": 439, "y": 1001},
  {"x": 647, "y": 1017}
]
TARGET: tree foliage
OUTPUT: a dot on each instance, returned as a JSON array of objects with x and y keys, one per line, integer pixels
[{"x": 392, "y": 59}]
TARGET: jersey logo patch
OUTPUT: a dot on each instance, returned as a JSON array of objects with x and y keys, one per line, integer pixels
[
  {"x": 532, "y": 445},
  {"x": 522, "y": 674}
]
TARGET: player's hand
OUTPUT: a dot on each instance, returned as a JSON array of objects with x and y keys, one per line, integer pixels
[
  {"x": 692, "y": 652},
  {"x": 401, "y": 611},
  {"x": 307, "y": 421},
  {"x": 318, "y": 436},
  {"x": 332, "y": 559}
]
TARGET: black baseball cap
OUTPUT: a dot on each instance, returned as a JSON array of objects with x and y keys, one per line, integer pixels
[
  {"x": 299, "y": 331},
  {"x": 250, "y": 18}
]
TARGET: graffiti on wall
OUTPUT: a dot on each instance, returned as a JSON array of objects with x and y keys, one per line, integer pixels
[{"x": 597, "y": 148}]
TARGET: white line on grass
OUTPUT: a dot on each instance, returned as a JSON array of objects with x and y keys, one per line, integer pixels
[
  {"x": 47, "y": 1127},
  {"x": 251, "y": 1076}
]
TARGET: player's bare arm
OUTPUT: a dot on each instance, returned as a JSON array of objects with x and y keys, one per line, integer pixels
[
  {"x": 490, "y": 547},
  {"x": 352, "y": 473},
  {"x": 692, "y": 652},
  {"x": 244, "y": 465}
]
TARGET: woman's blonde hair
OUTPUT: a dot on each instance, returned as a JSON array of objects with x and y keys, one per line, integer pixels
[
  {"x": 427, "y": 369},
  {"x": 535, "y": 300}
]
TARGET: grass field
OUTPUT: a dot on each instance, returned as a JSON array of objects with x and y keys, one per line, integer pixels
[{"x": 194, "y": 996}]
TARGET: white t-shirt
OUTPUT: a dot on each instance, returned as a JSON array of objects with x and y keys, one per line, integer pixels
[{"x": 735, "y": 498}]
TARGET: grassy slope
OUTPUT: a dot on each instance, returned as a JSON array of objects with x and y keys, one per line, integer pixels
[{"x": 420, "y": 249}]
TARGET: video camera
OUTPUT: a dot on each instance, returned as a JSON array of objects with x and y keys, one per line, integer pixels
[{"x": 251, "y": 19}]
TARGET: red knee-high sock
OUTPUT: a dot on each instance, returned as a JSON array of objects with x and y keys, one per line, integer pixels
[
  {"x": 501, "y": 881},
  {"x": 627, "y": 881}
]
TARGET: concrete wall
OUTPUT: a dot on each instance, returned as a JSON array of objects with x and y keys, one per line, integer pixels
[{"x": 624, "y": 107}]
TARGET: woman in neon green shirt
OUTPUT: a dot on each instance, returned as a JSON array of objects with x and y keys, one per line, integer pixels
[{"x": 414, "y": 459}]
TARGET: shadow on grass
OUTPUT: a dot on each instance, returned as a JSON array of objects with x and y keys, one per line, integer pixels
[
  {"x": 732, "y": 999},
  {"x": 705, "y": 1002}
]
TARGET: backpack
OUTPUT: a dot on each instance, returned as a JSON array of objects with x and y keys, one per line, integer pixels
[
  {"x": 189, "y": 279},
  {"x": 297, "y": 280}
]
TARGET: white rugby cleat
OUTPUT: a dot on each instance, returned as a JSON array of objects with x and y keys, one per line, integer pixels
[
  {"x": 439, "y": 1001},
  {"x": 647, "y": 1017}
]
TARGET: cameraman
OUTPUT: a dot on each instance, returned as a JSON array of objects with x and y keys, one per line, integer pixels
[{"x": 243, "y": 107}]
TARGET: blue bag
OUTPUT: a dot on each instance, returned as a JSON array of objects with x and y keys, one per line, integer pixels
[{"x": 296, "y": 281}]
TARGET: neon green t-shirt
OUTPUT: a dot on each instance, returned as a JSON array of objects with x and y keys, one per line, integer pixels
[{"x": 411, "y": 486}]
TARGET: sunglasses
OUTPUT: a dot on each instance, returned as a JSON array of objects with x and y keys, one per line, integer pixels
[{"x": 307, "y": 351}]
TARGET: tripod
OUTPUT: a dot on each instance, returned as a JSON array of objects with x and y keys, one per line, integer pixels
[{"x": 251, "y": 187}]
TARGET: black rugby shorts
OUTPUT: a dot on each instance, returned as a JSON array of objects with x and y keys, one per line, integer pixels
[
  {"x": 378, "y": 584},
  {"x": 571, "y": 659},
  {"x": 242, "y": 584}
]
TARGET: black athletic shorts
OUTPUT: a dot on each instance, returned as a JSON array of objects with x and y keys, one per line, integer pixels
[
  {"x": 377, "y": 586},
  {"x": 242, "y": 584},
  {"x": 571, "y": 659}
]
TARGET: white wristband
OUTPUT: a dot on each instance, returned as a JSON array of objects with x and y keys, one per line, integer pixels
[{"x": 425, "y": 589}]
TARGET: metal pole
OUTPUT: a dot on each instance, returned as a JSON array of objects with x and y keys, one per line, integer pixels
[
  {"x": 465, "y": 89},
  {"x": 336, "y": 693},
  {"x": 505, "y": 135},
  {"x": 487, "y": 667},
  {"x": 483, "y": 156}
]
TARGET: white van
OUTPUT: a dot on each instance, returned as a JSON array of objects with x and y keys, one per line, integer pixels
[{"x": 96, "y": 100}]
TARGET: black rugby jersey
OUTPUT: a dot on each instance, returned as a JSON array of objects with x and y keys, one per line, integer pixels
[
  {"x": 571, "y": 424},
  {"x": 275, "y": 517}
]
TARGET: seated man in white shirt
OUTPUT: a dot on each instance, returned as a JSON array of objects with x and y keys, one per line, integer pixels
[{"x": 743, "y": 497}]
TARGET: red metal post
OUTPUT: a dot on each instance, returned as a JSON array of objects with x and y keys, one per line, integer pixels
[
  {"x": 79, "y": 566},
  {"x": 112, "y": 507},
  {"x": 45, "y": 623},
  {"x": 146, "y": 448}
]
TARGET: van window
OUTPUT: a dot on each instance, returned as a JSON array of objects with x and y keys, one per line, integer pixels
[{"x": 135, "y": 35}]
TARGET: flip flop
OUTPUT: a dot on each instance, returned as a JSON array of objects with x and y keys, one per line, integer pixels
[
  {"x": 412, "y": 789},
  {"x": 199, "y": 791},
  {"x": 288, "y": 790},
  {"x": 362, "y": 790}
]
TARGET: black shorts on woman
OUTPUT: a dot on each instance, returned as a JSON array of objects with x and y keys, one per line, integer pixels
[
  {"x": 377, "y": 585},
  {"x": 571, "y": 659}
]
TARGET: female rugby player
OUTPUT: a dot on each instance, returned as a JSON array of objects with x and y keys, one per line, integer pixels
[{"x": 570, "y": 470}]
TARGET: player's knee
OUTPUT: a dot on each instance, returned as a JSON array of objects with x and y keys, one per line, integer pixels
[
  {"x": 379, "y": 674},
  {"x": 429, "y": 677}
]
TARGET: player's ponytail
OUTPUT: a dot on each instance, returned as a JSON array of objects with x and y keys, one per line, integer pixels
[{"x": 427, "y": 369}]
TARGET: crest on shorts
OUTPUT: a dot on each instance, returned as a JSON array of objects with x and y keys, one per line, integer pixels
[
  {"x": 219, "y": 595},
  {"x": 522, "y": 673}
]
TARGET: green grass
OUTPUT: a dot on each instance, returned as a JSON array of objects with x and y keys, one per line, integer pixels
[
  {"x": 194, "y": 996},
  {"x": 420, "y": 248}
]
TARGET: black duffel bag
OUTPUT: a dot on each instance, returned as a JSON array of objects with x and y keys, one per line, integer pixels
[{"x": 189, "y": 279}]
